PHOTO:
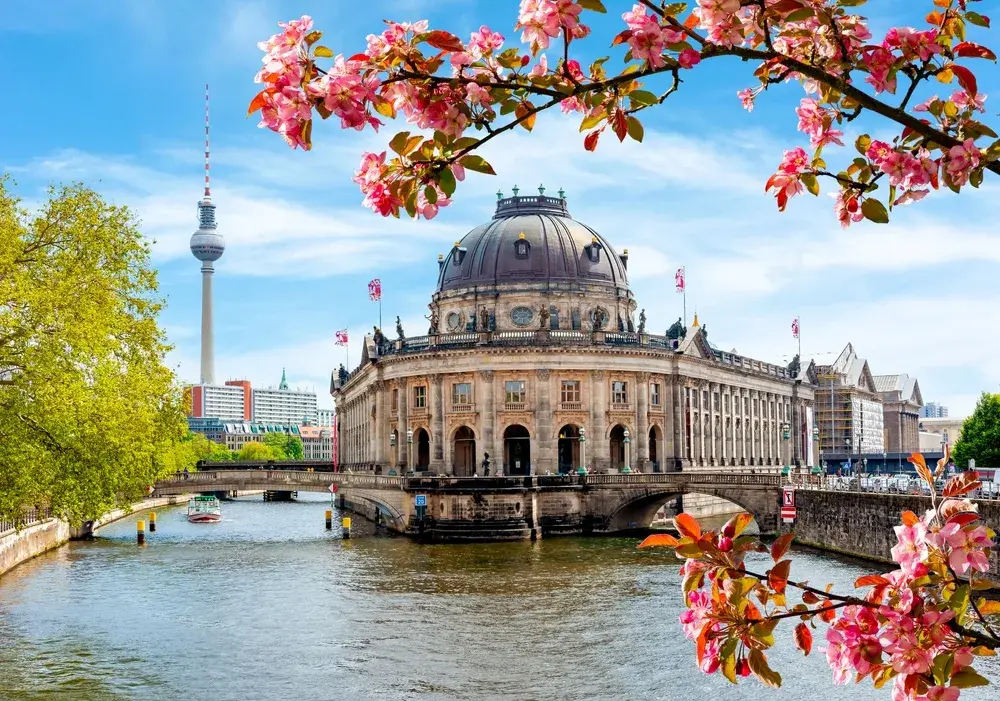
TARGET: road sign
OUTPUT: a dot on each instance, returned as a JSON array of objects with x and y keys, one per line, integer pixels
[
  {"x": 333, "y": 488},
  {"x": 788, "y": 514},
  {"x": 420, "y": 500},
  {"x": 788, "y": 497}
]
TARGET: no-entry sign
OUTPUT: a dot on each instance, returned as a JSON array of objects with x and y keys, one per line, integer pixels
[{"x": 788, "y": 512}]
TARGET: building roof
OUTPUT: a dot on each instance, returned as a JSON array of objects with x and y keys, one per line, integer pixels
[
  {"x": 853, "y": 370},
  {"x": 559, "y": 249},
  {"x": 904, "y": 387}
]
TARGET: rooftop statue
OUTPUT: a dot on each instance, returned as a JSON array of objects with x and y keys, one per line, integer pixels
[
  {"x": 543, "y": 317},
  {"x": 484, "y": 319},
  {"x": 677, "y": 331},
  {"x": 342, "y": 373},
  {"x": 795, "y": 366},
  {"x": 433, "y": 318},
  {"x": 642, "y": 321},
  {"x": 399, "y": 330}
]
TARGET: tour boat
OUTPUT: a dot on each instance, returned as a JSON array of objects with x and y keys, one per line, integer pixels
[{"x": 204, "y": 510}]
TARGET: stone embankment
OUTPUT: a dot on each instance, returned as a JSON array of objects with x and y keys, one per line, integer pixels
[
  {"x": 860, "y": 523},
  {"x": 18, "y": 546}
]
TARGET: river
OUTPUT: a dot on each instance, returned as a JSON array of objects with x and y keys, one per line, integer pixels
[{"x": 269, "y": 605}]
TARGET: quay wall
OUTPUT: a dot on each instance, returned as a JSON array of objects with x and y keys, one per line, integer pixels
[{"x": 860, "y": 523}]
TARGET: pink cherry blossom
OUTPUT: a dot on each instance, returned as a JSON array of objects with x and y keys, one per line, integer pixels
[
  {"x": 847, "y": 208},
  {"x": 967, "y": 546},
  {"x": 648, "y": 39},
  {"x": 694, "y": 617},
  {"x": 941, "y": 693},
  {"x": 816, "y": 122},
  {"x": 543, "y": 20},
  {"x": 746, "y": 98},
  {"x": 964, "y": 102},
  {"x": 688, "y": 58},
  {"x": 961, "y": 161}
]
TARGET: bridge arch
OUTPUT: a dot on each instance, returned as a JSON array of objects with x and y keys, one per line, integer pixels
[{"x": 635, "y": 508}]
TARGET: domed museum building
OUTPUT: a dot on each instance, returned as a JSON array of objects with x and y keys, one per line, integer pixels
[{"x": 536, "y": 358}]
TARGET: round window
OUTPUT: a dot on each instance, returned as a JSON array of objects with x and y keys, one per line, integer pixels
[
  {"x": 521, "y": 315},
  {"x": 454, "y": 321}
]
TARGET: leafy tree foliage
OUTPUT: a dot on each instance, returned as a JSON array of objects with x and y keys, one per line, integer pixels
[
  {"x": 89, "y": 412},
  {"x": 255, "y": 450},
  {"x": 287, "y": 446},
  {"x": 980, "y": 439}
]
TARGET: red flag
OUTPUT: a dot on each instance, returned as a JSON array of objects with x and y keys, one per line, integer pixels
[
  {"x": 795, "y": 327},
  {"x": 342, "y": 337},
  {"x": 375, "y": 290},
  {"x": 679, "y": 279}
]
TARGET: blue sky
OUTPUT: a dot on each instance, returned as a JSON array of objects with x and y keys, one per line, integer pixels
[{"x": 111, "y": 94}]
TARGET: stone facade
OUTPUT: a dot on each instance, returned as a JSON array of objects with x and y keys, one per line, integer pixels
[{"x": 534, "y": 344}]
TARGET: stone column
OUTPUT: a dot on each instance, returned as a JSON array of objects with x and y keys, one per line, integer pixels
[
  {"x": 599, "y": 449},
  {"x": 403, "y": 424},
  {"x": 712, "y": 423},
  {"x": 702, "y": 452},
  {"x": 487, "y": 419},
  {"x": 673, "y": 434},
  {"x": 641, "y": 455},
  {"x": 436, "y": 409},
  {"x": 381, "y": 423},
  {"x": 544, "y": 453},
  {"x": 744, "y": 421}
]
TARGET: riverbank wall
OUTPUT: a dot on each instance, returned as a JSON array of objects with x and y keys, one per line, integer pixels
[
  {"x": 860, "y": 524},
  {"x": 20, "y": 546}
]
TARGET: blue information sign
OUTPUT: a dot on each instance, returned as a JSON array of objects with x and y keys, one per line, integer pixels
[{"x": 421, "y": 500}]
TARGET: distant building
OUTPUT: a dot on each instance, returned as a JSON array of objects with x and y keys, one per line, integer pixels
[
  {"x": 933, "y": 410},
  {"x": 901, "y": 403},
  {"x": 283, "y": 405},
  {"x": 317, "y": 442},
  {"x": 947, "y": 429},
  {"x": 212, "y": 428},
  {"x": 848, "y": 407},
  {"x": 236, "y": 435},
  {"x": 219, "y": 402},
  {"x": 325, "y": 417}
]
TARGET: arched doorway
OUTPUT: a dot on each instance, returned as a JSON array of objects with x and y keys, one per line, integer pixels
[
  {"x": 654, "y": 448},
  {"x": 423, "y": 442},
  {"x": 516, "y": 450},
  {"x": 463, "y": 453},
  {"x": 568, "y": 448},
  {"x": 618, "y": 447}
]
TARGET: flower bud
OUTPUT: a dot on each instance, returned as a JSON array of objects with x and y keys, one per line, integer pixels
[
  {"x": 729, "y": 530},
  {"x": 725, "y": 544},
  {"x": 743, "y": 668}
]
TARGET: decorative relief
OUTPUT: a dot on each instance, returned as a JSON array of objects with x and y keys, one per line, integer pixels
[
  {"x": 436, "y": 379},
  {"x": 486, "y": 375},
  {"x": 543, "y": 373},
  {"x": 597, "y": 374},
  {"x": 643, "y": 376}
]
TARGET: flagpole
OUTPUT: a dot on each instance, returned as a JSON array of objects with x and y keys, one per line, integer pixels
[
  {"x": 380, "y": 312},
  {"x": 684, "y": 294},
  {"x": 799, "y": 335}
]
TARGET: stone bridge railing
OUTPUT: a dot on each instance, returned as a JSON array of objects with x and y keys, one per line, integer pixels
[{"x": 720, "y": 479}]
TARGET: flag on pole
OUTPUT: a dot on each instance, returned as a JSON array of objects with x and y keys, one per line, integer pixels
[
  {"x": 342, "y": 337},
  {"x": 679, "y": 279},
  {"x": 375, "y": 290},
  {"x": 795, "y": 327}
]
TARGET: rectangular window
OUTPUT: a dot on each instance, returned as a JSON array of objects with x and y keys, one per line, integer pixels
[
  {"x": 570, "y": 390},
  {"x": 395, "y": 400},
  {"x": 619, "y": 392},
  {"x": 461, "y": 393},
  {"x": 419, "y": 397},
  {"x": 715, "y": 399},
  {"x": 514, "y": 390},
  {"x": 654, "y": 393}
]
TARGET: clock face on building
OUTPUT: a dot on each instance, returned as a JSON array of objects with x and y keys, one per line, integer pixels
[
  {"x": 454, "y": 321},
  {"x": 521, "y": 316}
]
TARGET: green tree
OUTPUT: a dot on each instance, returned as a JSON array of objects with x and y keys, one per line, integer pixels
[
  {"x": 287, "y": 446},
  {"x": 89, "y": 412},
  {"x": 255, "y": 450},
  {"x": 980, "y": 438}
]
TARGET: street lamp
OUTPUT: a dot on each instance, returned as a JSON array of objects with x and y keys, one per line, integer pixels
[
  {"x": 626, "y": 440},
  {"x": 409, "y": 446},
  {"x": 582, "y": 470}
]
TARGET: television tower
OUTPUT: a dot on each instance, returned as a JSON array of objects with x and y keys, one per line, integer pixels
[{"x": 207, "y": 245}]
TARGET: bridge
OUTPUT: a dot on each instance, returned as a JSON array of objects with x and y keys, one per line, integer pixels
[{"x": 495, "y": 508}]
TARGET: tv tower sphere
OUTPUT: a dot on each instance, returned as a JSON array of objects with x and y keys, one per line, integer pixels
[{"x": 207, "y": 244}]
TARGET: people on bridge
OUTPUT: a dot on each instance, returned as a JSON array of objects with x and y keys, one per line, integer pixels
[{"x": 186, "y": 474}]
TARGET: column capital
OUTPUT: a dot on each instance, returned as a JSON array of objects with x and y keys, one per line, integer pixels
[
  {"x": 542, "y": 373},
  {"x": 486, "y": 375},
  {"x": 642, "y": 376}
]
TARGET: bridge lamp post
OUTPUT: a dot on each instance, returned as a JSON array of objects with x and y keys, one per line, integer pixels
[
  {"x": 392, "y": 447},
  {"x": 627, "y": 440},
  {"x": 815, "y": 440},
  {"x": 583, "y": 452},
  {"x": 786, "y": 433}
]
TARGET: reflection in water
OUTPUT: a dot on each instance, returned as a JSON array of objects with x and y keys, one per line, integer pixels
[{"x": 269, "y": 605}]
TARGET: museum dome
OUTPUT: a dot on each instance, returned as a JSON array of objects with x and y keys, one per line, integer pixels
[{"x": 532, "y": 239}]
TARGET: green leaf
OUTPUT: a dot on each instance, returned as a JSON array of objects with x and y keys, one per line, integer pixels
[
  {"x": 431, "y": 194},
  {"x": 591, "y": 121},
  {"x": 635, "y": 129},
  {"x": 862, "y": 144},
  {"x": 968, "y": 678},
  {"x": 977, "y": 19},
  {"x": 398, "y": 143},
  {"x": 875, "y": 211},
  {"x": 943, "y": 665},
  {"x": 674, "y": 8},
  {"x": 322, "y": 52},
  {"x": 595, "y": 5},
  {"x": 799, "y": 15},
  {"x": 759, "y": 666},
  {"x": 809, "y": 180},
  {"x": 476, "y": 163},
  {"x": 642, "y": 98},
  {"x": 446, "y": 179}
]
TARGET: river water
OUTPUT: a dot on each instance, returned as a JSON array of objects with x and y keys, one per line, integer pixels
[{"x": 269, "y": 605}]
